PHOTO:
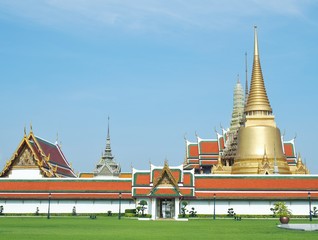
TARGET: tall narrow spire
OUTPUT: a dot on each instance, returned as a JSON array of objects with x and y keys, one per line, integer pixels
[
  {"x": 257, "y": 102},
  {"x": 107, "y": 166},
  {"x": 246, "y": 79},
  {"x": 238, "y": 106},
  {"x": 108, "y": 151}
]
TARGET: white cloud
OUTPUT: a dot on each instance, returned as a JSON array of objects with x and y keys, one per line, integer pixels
[{"x": 149, "y": 15}]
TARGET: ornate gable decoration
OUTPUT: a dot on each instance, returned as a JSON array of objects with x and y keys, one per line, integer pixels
[
  {"x": 29, "y": 154},
  {"x": 25, "y": 159},
  {"x": 165, "y": 183}
]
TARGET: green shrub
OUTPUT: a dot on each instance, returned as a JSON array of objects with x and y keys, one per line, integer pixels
[
  {"x": 130, "y": 210},
  {"x": 37, "y": 212},
  {"x": 193, "y": 213},
  {"x": 145, "y": 216}
]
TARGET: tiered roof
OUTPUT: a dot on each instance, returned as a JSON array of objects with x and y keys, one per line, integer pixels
[
  {"x": 36, "y": 153},
  {"x": 204, "y": 152},
  {"x": 163, "y": 182},
  {"x": 65, "y": 188},
  {"x": 107, "y": 165}
]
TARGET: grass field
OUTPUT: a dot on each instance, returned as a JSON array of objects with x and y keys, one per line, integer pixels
[{"x": 77, "y": 228}]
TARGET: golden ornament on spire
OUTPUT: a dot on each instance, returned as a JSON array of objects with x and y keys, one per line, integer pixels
[{"x": 257, "y": 102}]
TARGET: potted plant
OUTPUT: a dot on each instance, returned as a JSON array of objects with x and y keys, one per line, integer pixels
[{"x": 281, "y": 210}]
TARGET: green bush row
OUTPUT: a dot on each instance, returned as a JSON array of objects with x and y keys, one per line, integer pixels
[{"x": 130, "y": 211}]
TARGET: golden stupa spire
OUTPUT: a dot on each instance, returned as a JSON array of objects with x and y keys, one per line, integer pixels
[{"x": 257, "y": 102}]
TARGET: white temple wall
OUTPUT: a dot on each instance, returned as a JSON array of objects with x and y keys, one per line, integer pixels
[
  {"x": 66, "y": 206},
  {"x": 252, "y": 207},
  {"x": 103, "y": 206},
  {"x": 25, "y": 174}
]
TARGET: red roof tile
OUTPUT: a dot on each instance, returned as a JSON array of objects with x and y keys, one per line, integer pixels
[{"x": 209, "y": 147}]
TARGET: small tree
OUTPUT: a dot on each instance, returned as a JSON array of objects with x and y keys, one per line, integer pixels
[
  {"x": 142, "y": 206},
  {"x": 314, "y": 212},
  {"x": 74, "y": 211},
  {"x": 37, "y": 211},
  {"x": 184, "y": 208},
  {"x": 230, "y": 212},
  {"x": 280, "y": 210},
  {"x": 1, "y": 210},
  {"x": 193, "y": 213}
]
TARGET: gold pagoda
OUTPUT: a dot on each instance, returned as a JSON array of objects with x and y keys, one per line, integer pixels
[{"x": 260, "y": 149}]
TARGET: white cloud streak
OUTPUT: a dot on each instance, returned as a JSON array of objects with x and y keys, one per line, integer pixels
[{"x": 149, "y": 15}]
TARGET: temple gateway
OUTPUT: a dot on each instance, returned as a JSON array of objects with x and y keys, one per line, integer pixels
[{"x": 247, "y": 167}]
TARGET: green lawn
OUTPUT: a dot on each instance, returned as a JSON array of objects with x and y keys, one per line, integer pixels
[{"x": 77, "y": 228}]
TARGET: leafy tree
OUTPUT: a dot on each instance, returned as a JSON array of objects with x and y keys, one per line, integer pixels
[
  {"x": 184, "y": 208},
  {"x": 230, "y": 212},
  {"x": 37, "y": 211},
  {"x": 280, "y": 210},
  {"x": 193, "y": 213},
  {"x": 142, "y": 206},
  {"x": 314, "y": 212},
  {"x": 74, "y": 211}
]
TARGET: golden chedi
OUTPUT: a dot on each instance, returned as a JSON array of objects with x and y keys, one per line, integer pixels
[{"x": 259, "y": 138}]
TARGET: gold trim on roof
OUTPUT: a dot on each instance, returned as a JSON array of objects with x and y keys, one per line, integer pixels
[
  {"x": 165, "y": 170},
  {"x": 25, "y": 144}
]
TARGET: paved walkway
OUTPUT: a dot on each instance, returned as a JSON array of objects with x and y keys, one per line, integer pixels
[{"x": 302, "y": 227}]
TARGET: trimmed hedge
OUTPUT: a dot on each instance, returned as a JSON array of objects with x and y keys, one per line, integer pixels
[{"x": 131, "y": 211}]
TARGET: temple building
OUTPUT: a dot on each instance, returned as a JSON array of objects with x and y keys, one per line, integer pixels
[
  {"x": 107, "y": 166},
  {"x": 253, "y": 144},
  {"x": 247, "y": 167},
  {"x": 37, "y": 158}
]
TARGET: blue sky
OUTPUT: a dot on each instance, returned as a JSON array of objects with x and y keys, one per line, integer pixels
[{"x": 160, "y": 69}]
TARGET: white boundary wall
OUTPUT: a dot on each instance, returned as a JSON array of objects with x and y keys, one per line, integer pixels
[
  {"x": 66, "y": 206},
  {"x": 251, "y": 207}
]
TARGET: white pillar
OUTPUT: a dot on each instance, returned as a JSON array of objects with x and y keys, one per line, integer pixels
[
  {"x": 153, "y": 208},
  {"x": 177, "y": 208}
]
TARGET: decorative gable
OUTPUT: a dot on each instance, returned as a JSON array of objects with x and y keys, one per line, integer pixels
[
  {"x": 165, "y": 184},
  {"x": 26, "y": 159},
  {"x": 37, "y": 158}
]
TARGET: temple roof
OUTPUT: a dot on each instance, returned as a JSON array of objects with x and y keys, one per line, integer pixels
[
  {"x": 106, "y": 165},
  {"x": 36, "y": 153}
]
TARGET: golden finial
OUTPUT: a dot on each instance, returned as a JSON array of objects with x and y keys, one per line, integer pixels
[
  {"x": 31, "y": 129},
  {"x": 257, "y": 98},
  {"x": 25, "y": 132},
  {"x": 166, "y": 162},
  {"x": 57, "y": 138},
  {"x": 299, "y": 161},
  {"x": 255, "y": 41}
]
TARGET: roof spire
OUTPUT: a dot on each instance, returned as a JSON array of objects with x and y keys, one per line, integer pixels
[
  {"x": 108, "y": 128},
  {"x": 246, "y": 79},
  {"x": 108, "y": 151},
  {"x": 31, "y": 129},
  {"x": 107, "y": 166},
  {"x": 257, "y": 102},
  {"x": 255, "y": 41}
]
